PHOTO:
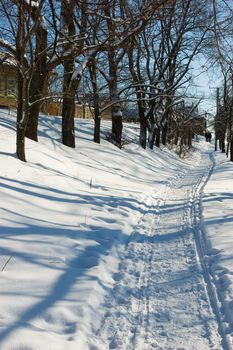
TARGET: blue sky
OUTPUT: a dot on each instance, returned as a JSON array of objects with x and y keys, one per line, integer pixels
[{"x": 205, "y": 83}]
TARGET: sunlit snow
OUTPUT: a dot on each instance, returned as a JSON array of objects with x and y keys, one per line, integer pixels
[{"x": 99, "y": 247}]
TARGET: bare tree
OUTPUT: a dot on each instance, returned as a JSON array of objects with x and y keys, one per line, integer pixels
[
  {"x": 19, "y": 45},
  {"x": 159, "y": 62},
  {"x": 39, "y": 73},
  {"x": 124, "y": 22}
]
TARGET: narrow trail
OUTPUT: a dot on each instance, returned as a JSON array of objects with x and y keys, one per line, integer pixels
[{"x": 163, "y": 297}]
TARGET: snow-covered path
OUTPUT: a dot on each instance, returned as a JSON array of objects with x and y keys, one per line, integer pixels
[{"x": 162, "y": 298}]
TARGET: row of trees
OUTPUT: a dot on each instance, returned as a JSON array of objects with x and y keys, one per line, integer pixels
[
  {"x": 223, "y": 29},
  {"x": 133, "y": 51},
  {"x": 223, "y": 123}
]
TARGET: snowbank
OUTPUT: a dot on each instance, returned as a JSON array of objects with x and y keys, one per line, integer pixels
[
  {"x": 66, "y": 216},
  {"x": 218, "y": 220}
]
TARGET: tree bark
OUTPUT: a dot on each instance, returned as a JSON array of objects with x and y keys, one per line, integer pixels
[
  {"x": 97, "y": 128},
  {"x": 22, "y": 81},
  {"x": 68, "y": 106},
  {"x": 69, "y": 88},
  {"x": 113, "y": 61},
  {"x": 143, "y": 124},
  {"x": 36, "y": 92},
  {"x": 143, "y": 132},
  {"x": 231, "y": 150},
  {"x": 176, "y": 138},
  {"x": 157, "y": 139},
  {"x": 190, "y": 138},
  {"x": 117, "y": 124},
  {"x": 97, "y": 117},
  {"x": 164, "y": 134},
  {"x": 39, "y": 78},
  {"x": 151, "y": 139},
  {"x": 20, "y": 130}
]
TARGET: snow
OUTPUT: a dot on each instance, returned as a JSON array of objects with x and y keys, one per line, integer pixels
[
  {"x": 43, "y": 23},
  {"x": 8, "y": 58},
  {"x": 77, "y": 74},
  {"x": 32, "y": 3},
  {"x": 218, "y": 217},
  {"x": 103, "y": 248}
]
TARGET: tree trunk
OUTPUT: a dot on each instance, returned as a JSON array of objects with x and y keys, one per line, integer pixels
[
  {"x": 185, "y": 136},
  {"x": 181, "y": 145},
  {"x": 22, "y": 116},
  {"x": 117, "y": 124},
  {"x": 69, "y": 83},
  {"x": 157, "y": 139},
  {"x": 22, "y": 82},
  {"x": 169, "y": 131},
  {"x": 143, "y": 133},
  {"x": 32, "y": 127},
  {"x": 190, "y": 136},
  {"x": 39, "y": 78},
  {"x": 166, "y": 122},
  {"x": 141, "y": 110},
  {"x": 216, "y": 141},
  {"x": 36, "y": 91},
  {"x": 222, "y": 143},
  {"x": 151, "y": 138},
  {"x": 97, "y": 117},
  {"x": 227, "y": 150},
  {"x": 231, "y": 150},
  {"x": 176, "y": 139},
  {"x": 97, "y": 128},
  {"x": 20, "y": 130},
  {"x": 229, "y": 140},
  {"x": 143, "y": 125},
  {"x": 68, "y": 106},
  {"x": 164, "y": 134}
]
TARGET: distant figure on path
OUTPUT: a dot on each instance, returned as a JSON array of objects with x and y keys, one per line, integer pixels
[{"x": 208, "y": 136}]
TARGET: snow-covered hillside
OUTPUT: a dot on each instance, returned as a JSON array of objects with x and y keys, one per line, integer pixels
[{"x": 102, "y": 248}]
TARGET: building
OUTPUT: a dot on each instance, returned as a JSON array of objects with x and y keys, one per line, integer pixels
[
  {"x": 8, "y": 91},
  {"x": 53, "y": 107},
  {"x": 8, "y": 81}
]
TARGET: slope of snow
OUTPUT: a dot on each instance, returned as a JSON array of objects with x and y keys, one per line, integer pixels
[
  {"x": 217, "y": 203},
  {"x": 68, "y": 219}
]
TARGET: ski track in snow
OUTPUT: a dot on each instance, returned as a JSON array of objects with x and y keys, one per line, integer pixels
[{"x": 161, "y": 298}]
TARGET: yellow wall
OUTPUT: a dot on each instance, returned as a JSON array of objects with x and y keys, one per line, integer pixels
[{"x": 8, "y": 86}]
